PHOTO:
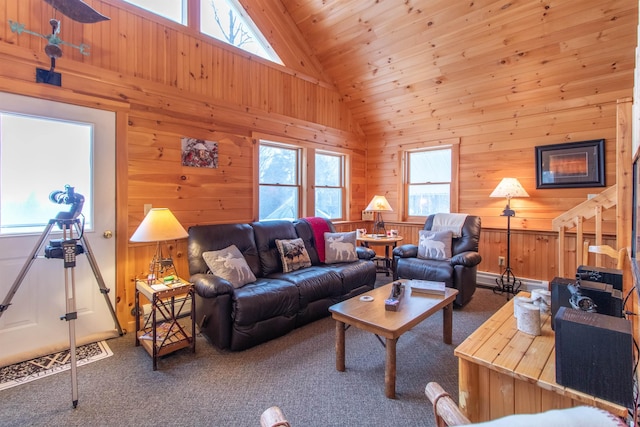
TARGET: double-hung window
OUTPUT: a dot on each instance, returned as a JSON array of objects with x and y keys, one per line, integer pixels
[
  {"x": 430, "y": 181},
  {"x": 296, "y": 180},
  {"x": 330, "y": 185},
  {"x": 279, "y": 178}
]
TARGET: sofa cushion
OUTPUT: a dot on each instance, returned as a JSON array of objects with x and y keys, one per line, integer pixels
[
  {"x": 229, "y": 264},
  {"x": 214, "y": 237},
  {"x": 265, "y": 299},
  {"x": 340, "y": 247},
  {"x": 293, "y": 254},
  {"x": 354, "y": 274},
  {"x": 434, "y": 244},
  {"x": 425, "y": 269},
  {"x": 266, "y": 233}
]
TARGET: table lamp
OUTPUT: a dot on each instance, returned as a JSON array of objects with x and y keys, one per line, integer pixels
[
  {"x": 159, "y": 225},
  {"x": 509, "y": 188},
  {"x": 377, "y": 205}
]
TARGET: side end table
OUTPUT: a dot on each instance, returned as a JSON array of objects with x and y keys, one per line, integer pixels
[
  {"x": 161, "y": 332},
  {"x": 389, "y": 244}
]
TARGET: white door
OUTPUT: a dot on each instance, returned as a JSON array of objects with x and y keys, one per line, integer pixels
[{"x": 45, "y": 146}]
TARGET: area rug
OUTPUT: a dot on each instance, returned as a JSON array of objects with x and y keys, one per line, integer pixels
[{"x": 30, "y": 370}]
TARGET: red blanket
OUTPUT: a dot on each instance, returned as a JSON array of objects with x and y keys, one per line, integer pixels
[{"x": 319, "y": 226}]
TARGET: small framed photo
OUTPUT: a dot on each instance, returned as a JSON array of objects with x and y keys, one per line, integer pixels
[{"x": 571, "y": 165}]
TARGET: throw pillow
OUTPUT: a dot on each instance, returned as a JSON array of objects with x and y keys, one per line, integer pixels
[
  {"x": 293, "y": 254},
  {"x": 434, "y": 244},
  {"x": 229, "y": 264},
  {"x": 340, "y": 247}
]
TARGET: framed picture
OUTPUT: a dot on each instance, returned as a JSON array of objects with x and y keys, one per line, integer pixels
[
  {"x": 199, "y": 153},
  {"x": 571, "y": 165}
]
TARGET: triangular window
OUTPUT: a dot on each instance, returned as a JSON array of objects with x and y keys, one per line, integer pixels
[{"x": 227, "y": 21}]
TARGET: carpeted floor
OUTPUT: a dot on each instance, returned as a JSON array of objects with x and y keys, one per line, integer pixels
[{"x": 215, "y": 388}]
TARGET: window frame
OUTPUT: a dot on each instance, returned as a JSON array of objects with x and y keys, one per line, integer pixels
[
  {"x": 192, "y": 25},
  {"x": 342, "y": 181},
  {"x": 306, "y": 166},
  {"x": 299, "y": 181},
  {"x": 454, "y": 145},
  {"x": 185, "y": 11}
]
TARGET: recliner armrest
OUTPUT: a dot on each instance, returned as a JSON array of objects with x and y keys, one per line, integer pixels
[
  {"x": 211, "y": 286},
  {"x": 467, "y": 259},
  {"x": 406, "y": 251},
  {"x": 365, "y": 253}
]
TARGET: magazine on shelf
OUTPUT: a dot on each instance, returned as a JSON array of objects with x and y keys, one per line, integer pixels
[
  {"x": 162, "y": 330},
  {"x": 427, "y": 287}
]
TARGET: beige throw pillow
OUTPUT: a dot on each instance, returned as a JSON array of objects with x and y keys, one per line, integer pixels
[
  {"x": 434, "y": 244},
  {"x": 229, "y": 264},
  {"x": 340, "y": 247}
]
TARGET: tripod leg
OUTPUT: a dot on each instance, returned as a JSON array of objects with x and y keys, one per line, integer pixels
[
  {"x": 70, "y": 293},
  {"x": 14, "y": 288},
  {"x": 96, "y": 272}
]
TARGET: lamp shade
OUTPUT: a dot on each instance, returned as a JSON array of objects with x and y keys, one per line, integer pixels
[
  {"x": 509, "y": 188},
  {"x": 160, "y": 224},
  {"x": 379, "y": 204}
]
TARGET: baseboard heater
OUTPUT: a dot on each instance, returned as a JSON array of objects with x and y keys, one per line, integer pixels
[{"x": 488, "y": 280}]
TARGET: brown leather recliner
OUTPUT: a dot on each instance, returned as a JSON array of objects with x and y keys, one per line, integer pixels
[{"x": 458, "y": 272}]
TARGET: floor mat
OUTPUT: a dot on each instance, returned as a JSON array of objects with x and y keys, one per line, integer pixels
[{"x": 43, "y": 366}]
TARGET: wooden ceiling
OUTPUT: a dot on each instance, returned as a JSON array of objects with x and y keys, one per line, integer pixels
[{"x": 401, "y": 63}]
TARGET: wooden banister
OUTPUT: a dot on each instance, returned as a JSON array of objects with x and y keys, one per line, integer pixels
[{"x": 575, "y": 218}]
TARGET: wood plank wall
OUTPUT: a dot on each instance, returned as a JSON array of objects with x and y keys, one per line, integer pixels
[
  {"x": 166, "y": 82},
  {"x": 505, "y": 102}
]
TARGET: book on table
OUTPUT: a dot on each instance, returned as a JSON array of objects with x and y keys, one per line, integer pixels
[
  {"x": 162, "y": 331},
  {"x": 427, "y": 287}
]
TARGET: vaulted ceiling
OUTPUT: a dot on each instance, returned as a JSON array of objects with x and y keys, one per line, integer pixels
[{"x": 398, "y": 63}]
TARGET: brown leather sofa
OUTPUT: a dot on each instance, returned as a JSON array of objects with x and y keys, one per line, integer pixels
[
  {"x": 277, "y": 302},
  {"x": 459, "y": 272}
]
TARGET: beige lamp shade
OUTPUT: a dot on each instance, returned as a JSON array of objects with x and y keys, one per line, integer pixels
[
  {"x": 159, "y": 225},
  {"x": 509, "y": 188},
  {"x": 379, "y": 204}
]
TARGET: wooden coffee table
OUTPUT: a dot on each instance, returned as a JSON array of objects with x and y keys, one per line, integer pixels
[{"x": 372, "y": 317}]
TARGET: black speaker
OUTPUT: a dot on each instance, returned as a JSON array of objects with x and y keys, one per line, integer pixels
[
  {"x": 594, "y": 355},
  {"x": 611, "y": 276},
  {"x": 606, "y": 299}
]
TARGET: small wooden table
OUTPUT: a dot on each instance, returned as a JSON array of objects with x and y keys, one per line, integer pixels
[
  {"x": 371, "y": 316},
  {"x": 161, "y": 333},
  {"x": 504, "y": 371},
  {"x": 388, "y": 242}
]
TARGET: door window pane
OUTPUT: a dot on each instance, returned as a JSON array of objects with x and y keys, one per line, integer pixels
[{"x": 39, "y": 156}]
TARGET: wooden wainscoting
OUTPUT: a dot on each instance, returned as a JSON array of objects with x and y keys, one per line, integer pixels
[{"x": 534, "y": 254}]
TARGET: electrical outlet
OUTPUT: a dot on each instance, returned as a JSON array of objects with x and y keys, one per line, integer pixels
[{"x": 500, "y": 261}]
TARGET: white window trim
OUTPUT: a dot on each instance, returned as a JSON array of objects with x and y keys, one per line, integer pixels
[
  {"x": 307, "y": 177},
  {"x": 454, "y": 144}
]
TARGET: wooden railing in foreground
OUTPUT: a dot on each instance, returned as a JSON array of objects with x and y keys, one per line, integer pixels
[{"x": 576, "y": 217}]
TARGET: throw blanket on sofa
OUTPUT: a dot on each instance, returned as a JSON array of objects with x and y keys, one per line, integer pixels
[
  {"x": 449, "y": 222},
  {"x": 319, "y": 227}
]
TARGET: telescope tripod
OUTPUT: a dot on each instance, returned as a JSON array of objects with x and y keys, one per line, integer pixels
[{"x": 68, "y": 249}]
